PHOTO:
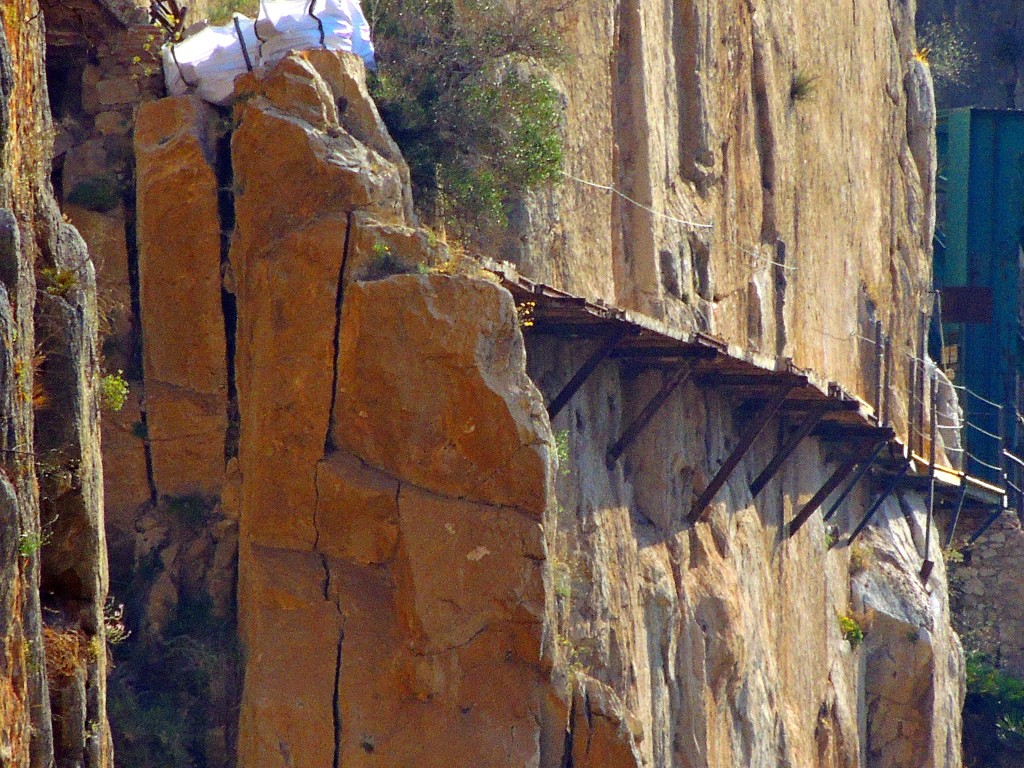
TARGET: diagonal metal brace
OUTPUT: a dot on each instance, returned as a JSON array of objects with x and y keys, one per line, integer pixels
[
  {"x": 986, "y": 525},
  {"x": 857, "y": 477},
  {"x": 604, "y": 349},
  {"x": 833, "y": 482},
  {"x": 747, "y": 439},
  {"x": 680, "y": 375},
  {"x": 895, "y": 481},
  {"x": 805, "y": 428}
]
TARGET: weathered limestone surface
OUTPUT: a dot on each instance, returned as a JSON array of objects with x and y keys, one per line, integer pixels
[
  {"x": 398, "y": 383},
  {"x": 721, "y": 643},
  {"x": 53, "y": 555},
  {"x": 184, "y": 350},
  {"x": 416, "y": 584},
  {"x": 819, "y": 223}
]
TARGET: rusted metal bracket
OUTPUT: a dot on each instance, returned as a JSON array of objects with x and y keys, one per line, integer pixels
[
  {"x": 747, "y": 439},
  {"x": 806, "y": 427},
  {"x": 862, "y": 470},
  {"x": 604, "y": 349},
  {"x": 833, "y": 482},
  {"x": 680, "y": 375},
  {"x": 986, "y": 525},
  {"x": 893, "y": 483}
]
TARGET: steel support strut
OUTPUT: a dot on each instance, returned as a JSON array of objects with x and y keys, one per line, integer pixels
[
  {"x": 833, "y": 482},
  {"x": 746, "y": 441}
]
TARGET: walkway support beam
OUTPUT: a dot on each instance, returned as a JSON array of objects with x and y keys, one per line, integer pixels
[
  {"x": 893, "y": 483},
  {"x": 747, "y": 439},
  {"x": 857, "y": 476},
  {"x": 677, "y": 377},
  {"x": 604, "y": 349},
  {"x": 833, "y": 482},
  {"x": 806, "y": 427}
]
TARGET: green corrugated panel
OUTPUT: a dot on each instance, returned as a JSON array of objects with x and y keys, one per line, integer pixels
[{"x": 981, "y": 165}]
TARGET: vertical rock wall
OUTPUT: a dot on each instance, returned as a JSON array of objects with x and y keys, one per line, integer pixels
[
  {"x": 54, "y": 553},
  {"x": 720, "y": 644},
  {"x": 418, "y": 585},
  {"x": 785, "y": 127}
]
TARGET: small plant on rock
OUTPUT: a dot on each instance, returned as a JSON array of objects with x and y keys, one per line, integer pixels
[
  {"x": 193, "y": 508},
  {"x": 383, "y": 264},
  {"x": 59, "y": 282},
  {"x": 952, "y": 556},
  {"x": 861, "y": 558},
  {"x": 113, "y": 392},
  {"x": 113, "y": 622},
  {"x": 562, "y": 450},
  {"x": 524, "y": 312},
  {"x": 100, "y": 194},
  {"x": 221, "y": 11},
  {"x": 30, "y": 542},
  {"x": 803, "y": 85},
  {"x": 944, "y": 47},
  {"x": 851, "y": 629}
]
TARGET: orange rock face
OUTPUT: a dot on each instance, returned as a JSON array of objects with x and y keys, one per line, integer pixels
[
  {"x": 184, "y": 343},
  {"x": 401, "y": 382},
  {"x": 393, "y": 461}
]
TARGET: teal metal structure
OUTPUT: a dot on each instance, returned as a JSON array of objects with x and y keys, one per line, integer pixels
[{"x": 979, "y": 231}]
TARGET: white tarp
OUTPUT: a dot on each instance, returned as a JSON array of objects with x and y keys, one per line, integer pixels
[
  {"x": 211, "y": 59},
  {"x": 289, "y": 25}
]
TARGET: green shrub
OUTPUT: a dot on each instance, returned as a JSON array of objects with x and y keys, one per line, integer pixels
[
  {"x": 562, "y": 450},
  {"x": 459, "y": 89},
  {"x": 953, "y": 556},
  {"x": 803, "y": 85},
  {"x": 383, "y": 264},
  {"x": 113, "y": 392},
  {"x": 59, "y": 282},
  {"x": 220, "y": 11},
  {"x": 861, "y": 558},
  {"x": 994, "y": 695},
  {"x": 851, "y": 629},
  {"x": 99, "y": 194},
  {"x": 30, "y": 542},
  {"x": 944, "y": 46},
  {"x": 193, "y": 508}
]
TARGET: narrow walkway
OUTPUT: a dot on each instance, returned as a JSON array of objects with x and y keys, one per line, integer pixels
[{"x": 769, "y": 386}]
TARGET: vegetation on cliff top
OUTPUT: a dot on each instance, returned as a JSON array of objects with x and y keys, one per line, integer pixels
[{"x": 463, "y": 90}]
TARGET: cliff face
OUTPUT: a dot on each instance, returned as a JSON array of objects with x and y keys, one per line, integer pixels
[
  {"x": 783, "y": 125},
  {"x": 53, "y": 554},
  {"x": 337, "y": 452},
  {"x": 417, "y": 584}
]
